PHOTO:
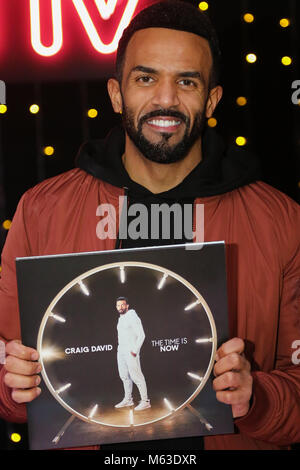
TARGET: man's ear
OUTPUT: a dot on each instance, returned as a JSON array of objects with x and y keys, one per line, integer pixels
[
  {"x": 113, "y": 88},
  {"x": 214, "y": 97}
]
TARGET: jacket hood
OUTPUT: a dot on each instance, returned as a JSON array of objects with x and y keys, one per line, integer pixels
[{"x": 221, "y": 169}]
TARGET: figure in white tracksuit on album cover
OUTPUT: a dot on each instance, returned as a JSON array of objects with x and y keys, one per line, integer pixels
[{"x": 130, "y": 339}]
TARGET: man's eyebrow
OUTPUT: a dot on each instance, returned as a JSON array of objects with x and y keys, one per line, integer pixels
[
  {"x": 142, "y": 68},
  {"x": 191, "y": 74},
  {"x": 181, "y": 74}
]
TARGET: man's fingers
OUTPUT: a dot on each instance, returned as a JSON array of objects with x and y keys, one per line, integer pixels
[
  {"x": 20, "y": 366},
  {"x": 21, "y": 372},
  {"x": 25, "y": 396},
  {"x": 21, "y": 381},
  {"x": 235, "y": 389},
  {"x": 240, "y": 406},
  {"x": 240, "y": 410},
  {"x": 234, "y": 345},
  {"x": 233, "y": 382},
  {"x": 17, "y": 349},
  {"x": 233, "y": 361},
  {"x": 233, "y": 397},
  {"x": 227, "y": 380}
]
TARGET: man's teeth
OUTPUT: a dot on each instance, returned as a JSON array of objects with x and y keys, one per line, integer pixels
[{"x": 163, "y": 123}]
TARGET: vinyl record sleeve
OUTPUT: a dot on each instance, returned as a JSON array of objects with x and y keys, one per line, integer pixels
[{"x": 68, "y": 312}]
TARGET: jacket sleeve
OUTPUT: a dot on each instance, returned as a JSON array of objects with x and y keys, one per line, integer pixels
[
  {"x": 17, "y": 245},
  {"x": 275, "y": 412},
  {"x": 137, "y": 326}
]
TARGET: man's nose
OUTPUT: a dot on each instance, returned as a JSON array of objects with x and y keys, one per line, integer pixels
[{"x": 166, "y": 94}]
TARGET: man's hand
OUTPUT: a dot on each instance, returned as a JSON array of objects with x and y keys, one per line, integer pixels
[
  {"x": 21, "y": 372},
  {"x": 233, "y": 382}
]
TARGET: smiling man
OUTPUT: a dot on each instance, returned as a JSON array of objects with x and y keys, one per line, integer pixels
[
  {"x": 165, "y": 106},
  {"x": 166, "y": 86},
  {"x": 165, "y": 95}
]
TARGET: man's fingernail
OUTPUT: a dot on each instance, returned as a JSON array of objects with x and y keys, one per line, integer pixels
[
  {"x": 34, "y": 356},
  {"x": 216, "y": 357},
  {"x": 38, "y": 391}
]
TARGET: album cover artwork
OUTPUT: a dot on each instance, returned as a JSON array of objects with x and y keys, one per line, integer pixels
[{"x": 127, "y": 340}]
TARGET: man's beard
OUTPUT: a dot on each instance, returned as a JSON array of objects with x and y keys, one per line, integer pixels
[{"x": 162, "y": 152}]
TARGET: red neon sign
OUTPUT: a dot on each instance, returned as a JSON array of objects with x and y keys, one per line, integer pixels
[
  {"x": 56, "y": 40},
  {"x": 105, "y": 9},
  {"x": 35, "y": 25}
]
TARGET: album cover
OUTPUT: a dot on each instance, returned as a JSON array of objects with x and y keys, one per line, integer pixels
[{"x": 127, "y": 340}]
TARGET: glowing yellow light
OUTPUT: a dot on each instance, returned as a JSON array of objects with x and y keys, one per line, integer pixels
[
  {"x": 203, "y": 6},
  {"x": 15, "y": 437},
  {"x": 212, "y": 122},
  {"x": 284, "y": 22},
  {"x": 34, "y": 108},
  {"x": 241, "y": 101},
  {"x": 286, "y": 60},
  {"x": 3, "y": 108},
  {"x": 92, "y": 113},
  {"x": 49, "y": 150},
  {"x": 251, "y": 58},
  {"x": 248, "y": 18},
  {"x": 6, "y": 224},
  {"x": 241, "y": 141}
]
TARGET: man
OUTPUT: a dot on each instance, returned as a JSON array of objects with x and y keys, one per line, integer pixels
[
  {"x": 166, "y": 86},
  {"x": 130, "y": 339}
]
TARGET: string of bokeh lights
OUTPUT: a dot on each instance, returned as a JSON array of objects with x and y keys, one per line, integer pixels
[{"x": 241, "y": 101}]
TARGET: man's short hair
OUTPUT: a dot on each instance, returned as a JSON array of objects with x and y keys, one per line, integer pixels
[
  {"x": 172, "y": 14},
  {"x": 122, "y": 298}
]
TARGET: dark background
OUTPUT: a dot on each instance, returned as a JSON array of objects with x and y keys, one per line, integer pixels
[{"x": 66, "y": 86}]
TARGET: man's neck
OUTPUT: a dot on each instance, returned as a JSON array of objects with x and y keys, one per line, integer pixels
[{"x": 158, "y": 177}]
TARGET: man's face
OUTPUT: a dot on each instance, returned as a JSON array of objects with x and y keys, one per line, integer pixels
[
  {"x": 165, "y": 92},
  {"x": 122, "y": 306}
]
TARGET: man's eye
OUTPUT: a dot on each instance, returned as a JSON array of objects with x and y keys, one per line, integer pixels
[
  {"x": 187, "y": 83},
  {"x": 144, "y": 79}
]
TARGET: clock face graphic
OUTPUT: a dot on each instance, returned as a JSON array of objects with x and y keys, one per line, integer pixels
[{"x": 78, "y": 344}]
